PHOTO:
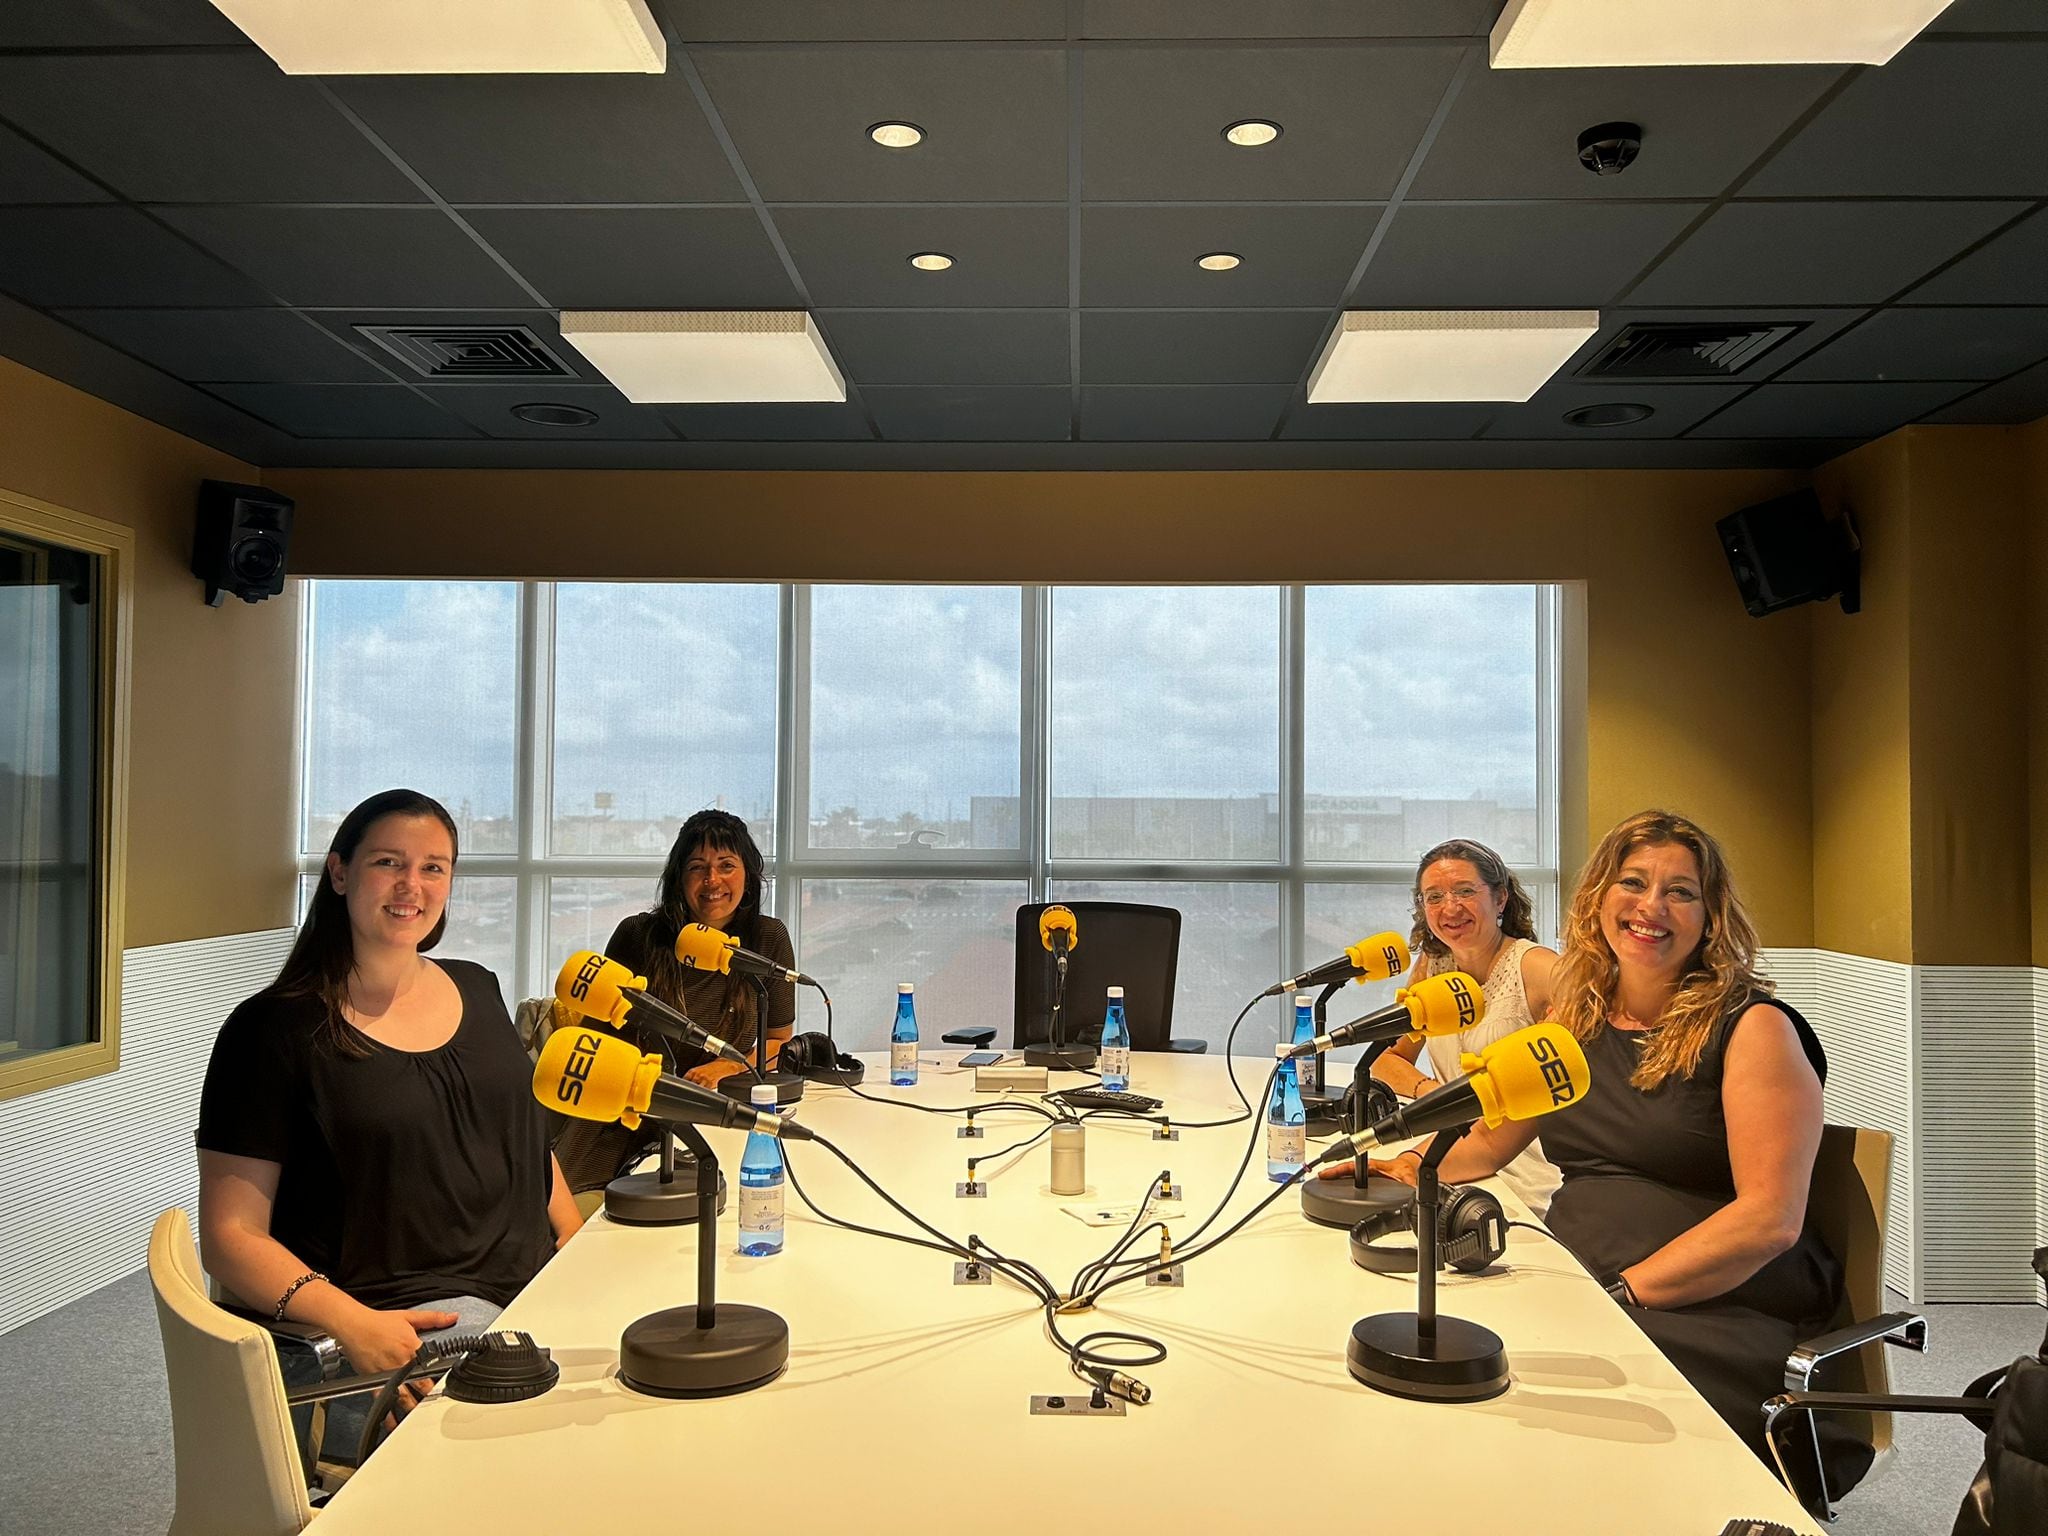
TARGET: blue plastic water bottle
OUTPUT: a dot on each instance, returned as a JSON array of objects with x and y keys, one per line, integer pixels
[
  {"x": 761, "y": 1178},
  {"x": 1308, "y": 1069},
  {"x": 903, "y": 1039},
  {"x": 1286, "y": 1124},
  {"x": 1114, "y": 1060}
]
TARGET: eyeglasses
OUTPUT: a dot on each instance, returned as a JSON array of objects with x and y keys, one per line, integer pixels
[{"x": 1435, "y": 899}]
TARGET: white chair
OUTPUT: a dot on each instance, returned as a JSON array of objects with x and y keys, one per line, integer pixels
[{"x": 238, "y": 1469}]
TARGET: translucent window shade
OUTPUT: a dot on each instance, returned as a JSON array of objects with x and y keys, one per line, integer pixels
[
  {"x": 413, "y": 683},
  {"x": 1420, "y": 706},
  {"x": 481, "y": 914},
  {"x": 1229, "y": 950},
  {"x": 1165, "y": 723},
  {"x": 955, "y": 940},
  {"x": 664, "y": 704},
  {"x": 914, "y": 717}
]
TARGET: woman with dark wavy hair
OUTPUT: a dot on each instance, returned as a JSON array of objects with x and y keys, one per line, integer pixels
[{"x": 1687, "y": 1161}]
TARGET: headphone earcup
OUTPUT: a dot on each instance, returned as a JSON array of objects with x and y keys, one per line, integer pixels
[{"x": 1472, "y": 1229}]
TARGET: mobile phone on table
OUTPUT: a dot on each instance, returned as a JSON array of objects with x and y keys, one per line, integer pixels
[{"x": 981, "y": 1058}]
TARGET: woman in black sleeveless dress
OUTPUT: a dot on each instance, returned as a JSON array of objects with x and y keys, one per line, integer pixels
[{"x": 1687, "y": 1163}]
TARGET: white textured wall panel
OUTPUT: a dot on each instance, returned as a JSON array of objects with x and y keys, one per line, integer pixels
[{"x": 85, "y": 1168}]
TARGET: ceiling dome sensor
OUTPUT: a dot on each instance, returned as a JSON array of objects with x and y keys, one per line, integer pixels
[
  {"x": 1614, "y": 413},
  {"x": 547, "y": 413},
  {"x": 1608, "y": 149}
]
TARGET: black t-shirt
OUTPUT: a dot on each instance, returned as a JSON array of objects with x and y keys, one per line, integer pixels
[{"x": 405, "y": 1175}]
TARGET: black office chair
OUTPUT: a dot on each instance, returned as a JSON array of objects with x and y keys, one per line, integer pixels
[{"x": 1116, "y": 943}]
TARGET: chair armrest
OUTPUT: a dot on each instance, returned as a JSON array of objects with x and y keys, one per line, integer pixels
[
  {"x": 1188, "y": 1047},
  {"x": 980, "y": 1035},
  {"x": 1908, "y": 1330},
  {"x": 322, "y": 1343}
]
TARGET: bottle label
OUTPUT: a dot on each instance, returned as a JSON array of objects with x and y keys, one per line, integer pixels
[
  {"x": 1114, "y": 1061},
  {"x": 1286, "y": 1143},
  {"x": 761, "y": 1207},
  {"x": 1310, "y": 1071},
  {"x": 903, "y": 1056}
]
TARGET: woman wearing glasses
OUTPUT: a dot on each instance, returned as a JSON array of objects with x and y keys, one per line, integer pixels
[{"x": 1472, "y": 915}]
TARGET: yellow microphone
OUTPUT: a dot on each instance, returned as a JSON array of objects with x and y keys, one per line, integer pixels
[
  {"x": 598, "y": 987},
  {"x": 1448, "y": 1004},
  {"x": 1534, "y": 1071},
  {"x": 589, "y": 1075},
  {"x": 700, "y": 947},
  {"x": 1377, "y": 958},
  {"x": 1058, "y": 931}
]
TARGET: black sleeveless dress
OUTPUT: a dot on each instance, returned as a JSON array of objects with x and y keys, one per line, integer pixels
[{"x": 1640, "y": 1168}]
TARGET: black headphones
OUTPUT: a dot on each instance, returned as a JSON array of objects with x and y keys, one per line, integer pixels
[
  {"x": 1380, "y": 1101},
  {"x": 813, "y": 1056},
  {"x": 1471, "y": 1233}
]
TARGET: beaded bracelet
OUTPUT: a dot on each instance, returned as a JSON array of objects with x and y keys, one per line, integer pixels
[{"x": 293, "y": 1289}]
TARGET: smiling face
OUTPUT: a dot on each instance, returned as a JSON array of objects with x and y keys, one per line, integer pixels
[
  {"x": 1651, "y": 913},
  {"x": 396, "y": 883},
  {"x": 714, "y": 885},
  {"x": 1461, "y": 909}
]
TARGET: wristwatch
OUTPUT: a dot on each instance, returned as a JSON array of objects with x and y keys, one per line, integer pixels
[{"x": 1621, "y": 1290}]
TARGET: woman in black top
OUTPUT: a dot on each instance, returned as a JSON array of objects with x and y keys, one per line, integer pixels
[
  {"x": 1687, "y": 1162},
  {"x": 713, "y": 876},
  {"x": 371, "y": 1157}
]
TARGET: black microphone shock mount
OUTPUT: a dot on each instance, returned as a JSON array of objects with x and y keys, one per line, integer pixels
[
  {"x": 1419, "y": 1354},
  {"x": 1346, "y": 1202}
]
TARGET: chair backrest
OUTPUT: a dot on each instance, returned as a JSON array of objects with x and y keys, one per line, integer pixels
[
  {"x": 1847, "y": 1202},
  {"x": 1116, "y": 943},
  {"x": 237, "y": 1466}
]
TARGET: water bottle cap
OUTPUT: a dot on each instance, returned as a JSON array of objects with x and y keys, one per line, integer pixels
[
  {"x": 763, "y": 1095},
  {"x": 1304, "y": 1000},
  {"x": 906, "y": 988},
  {"x": 1116, "y": 992},
  {"x": 1284, "y": 1049}
]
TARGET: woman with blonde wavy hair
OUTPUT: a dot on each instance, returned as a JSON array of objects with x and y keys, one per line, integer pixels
[{"x": 1687, "y": 1161}]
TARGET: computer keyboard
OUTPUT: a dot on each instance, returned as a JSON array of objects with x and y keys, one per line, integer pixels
[{"x": 1104, "y": 1098}]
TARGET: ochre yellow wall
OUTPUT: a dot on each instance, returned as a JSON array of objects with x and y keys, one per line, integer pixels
[
  {"x": 2030, "y": 465},
  {"x": 1693, "y": 705},
  {"x": 210, "y": 792}
]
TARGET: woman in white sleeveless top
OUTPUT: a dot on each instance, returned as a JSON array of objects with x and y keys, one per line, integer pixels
[{"x": 1472, "y": 915}]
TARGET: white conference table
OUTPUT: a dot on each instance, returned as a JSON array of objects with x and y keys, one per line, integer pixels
[{"x": 905, "y": 1405}]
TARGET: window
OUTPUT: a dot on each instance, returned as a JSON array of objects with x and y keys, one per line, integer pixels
[
  {"x": 63, "y": 695},
  {"x": 918, "y": 761}
]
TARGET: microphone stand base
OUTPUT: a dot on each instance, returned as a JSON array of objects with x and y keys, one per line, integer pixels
[
  {"x": 1464, "y": 1364},
  {"x": 1068, "y": 1058},
  {"x": 642, "y": 1200},
  {"x": 665, "y": 1354},
  {"x": 789, "y": 1086},
  {"x": 1341, "y": 1203}
]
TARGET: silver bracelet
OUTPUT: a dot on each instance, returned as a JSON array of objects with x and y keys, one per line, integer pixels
[{"x": 292, "y": 1290}]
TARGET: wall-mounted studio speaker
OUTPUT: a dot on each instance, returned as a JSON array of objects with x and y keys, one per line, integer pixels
[
  {"x": 1786, "y": 552},
  {"x": 238, "y": 544}
]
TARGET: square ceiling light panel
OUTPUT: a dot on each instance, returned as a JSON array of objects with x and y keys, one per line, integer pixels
[
  {"x": 1446, "y": 354},
  {"x": 707, "y": 356},
  {"x": 1592, "y": 34},
  {"x": 453, "y": 37}
]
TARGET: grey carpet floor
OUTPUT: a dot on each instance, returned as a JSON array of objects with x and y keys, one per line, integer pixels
[{"x": 85, "y": 1421}]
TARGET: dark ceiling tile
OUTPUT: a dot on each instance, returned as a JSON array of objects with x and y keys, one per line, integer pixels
[
  {"x": 540, "y": 322},
  {"x": 113, "y": 255},
  {"x": 490, "y": 407},
  {"x": 1293, "y": 256},
  {"x": 938, "y": 346},
  {"x": 2010, "y": 269},
  {"x": 2010, "y": 402},
  {"x": 1002, "y": 257},
  {"x": 811, "y": 21},
  {"x": 1191, "y": 414},
  {"x": 793, "y": 423},
  {"x": 1674, "y": 407},
  {"x": 352, "y": 256},
  {"x": 113, "y": 24},
  {"x": 1515, "y": 132},
  {"x": 1933, "y": 344},
  {"x": 1815, "y": 253},
  {"x": 1828, "y": 410},
  {"x": 548, "y": 138},
  {"x": 1287, "y": 18},
  {"x": 1199, "y": 346},
  {"x": 1433, "y": 421},
  {"x": 1950, "y": 119},
  {"x": 1993, "y": 16},
  {"x": 1813, "y": 326},
  {"x": 971, "y": 415},
  {"x": 1351, "y": 116},
  {"x": 344, "y": 410},
  {"x": 28, "y": 175},
  {"x": 228, "y": 345},
  {"x": 640, "y": 258},
  {"x": 1516, "y": 255},
  {"x": 995, "y": 122},
  {"x": 194, "y": 128}
]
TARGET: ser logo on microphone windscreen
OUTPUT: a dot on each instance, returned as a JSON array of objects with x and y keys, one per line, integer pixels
[
  {"x": 1468, "y": 1005},
  {"x": 576, "y": 1070},
  {"x": 1392, "y": 956},
  {"x": 593, "y": 966},
  {"x": 1557, "y": 1074}
]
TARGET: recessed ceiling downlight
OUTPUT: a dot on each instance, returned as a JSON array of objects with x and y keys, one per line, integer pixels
[
  {"x": 1219, "y": 261},
  {"x": 1611, "y": 413},
  {"x": 896, "y": 135},
  {"x": 550, "y": 413},
  {"x": 931, "y": 261},
  {"x": 1252, "y": 132}
]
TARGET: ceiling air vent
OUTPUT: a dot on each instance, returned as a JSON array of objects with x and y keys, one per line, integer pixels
[
  {"x": 1688, "y": 350},
  {"x": 468, "y": 351}
]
